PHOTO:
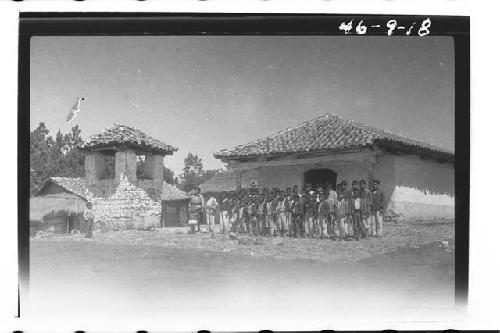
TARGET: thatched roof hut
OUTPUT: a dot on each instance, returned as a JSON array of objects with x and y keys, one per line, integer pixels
[{"x": 53, "y": 204}]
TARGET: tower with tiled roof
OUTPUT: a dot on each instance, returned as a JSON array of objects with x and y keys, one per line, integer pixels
[
  {"x": 125, "y": 143},
  {"x": 123, "y": 201}
]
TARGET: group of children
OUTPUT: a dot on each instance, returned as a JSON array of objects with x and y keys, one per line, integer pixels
[{"x": 339, "y": 213}]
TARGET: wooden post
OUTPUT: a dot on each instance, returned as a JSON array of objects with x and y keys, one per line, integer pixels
[{"x": 238, "y": 180}]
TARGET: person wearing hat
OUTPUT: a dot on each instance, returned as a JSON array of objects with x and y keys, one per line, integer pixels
[
  {"x": 225, "y": 211},
  {"x": 275, "y": 213},
  {"x": 89, "y": 219},
  {"x": 359, "y": 230},
  {"x": 310, "y": 210},
  {"x": 195, "y": 208},
  {"x": 342, "y": 210},
  {"x": 280, "y": 213},
  {"x": 377, "y": 208},
  {"x": 242, "y": 213},
  {"x": 233, "y": 221},
  {"x": 261, "y": 213},
  {"x": 354, "y": 210},
  {"x": 324, "y": 210},
  {"x": 268, "y": 227},
  {"x": 296, "y": 211},
  {"x": 317, "y": 223},
  {"x": 302, "y": 201},
  {"x": 251, "y": 214},
  {"x": 366, "y": 203},
  {"x": 332, "y": 202},
  {"x": 288, "y": 210}
]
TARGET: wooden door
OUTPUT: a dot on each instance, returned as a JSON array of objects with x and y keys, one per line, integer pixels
[
  {"x": 170, "y": 216},
  {"x": 59, "y": 223}
]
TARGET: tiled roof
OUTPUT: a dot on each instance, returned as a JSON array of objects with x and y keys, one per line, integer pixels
[
  {"x": 73, "y": 185},
  {"x": 78, "y": 186},
  {"x": 226, "y": 181},
  {"x": 170, "y": 192},
  {"x": 327, "y": 133},
  {"x": 126, "y": 136}
]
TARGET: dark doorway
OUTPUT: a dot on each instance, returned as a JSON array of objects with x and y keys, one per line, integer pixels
[{"x": 320, "y": 177}]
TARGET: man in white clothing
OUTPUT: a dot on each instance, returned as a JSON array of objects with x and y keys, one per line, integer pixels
[{"x": 211, "y": 207}]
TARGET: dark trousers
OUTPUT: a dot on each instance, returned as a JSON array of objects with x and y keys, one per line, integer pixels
[
  {"x": 297, "y": 223},
  {"x": 358, "y": 227},
  {"x": 331, "y": 225}
]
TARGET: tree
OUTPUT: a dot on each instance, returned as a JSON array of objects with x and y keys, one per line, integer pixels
[
  {"x": 169, "y": 176},
  {"x": 40, "y": 162},
  {"x": 71, "y": 159},
  {"x": 207, "y": 174},
  {"x": 193, "y": 173},
  {"x": 59, "y": 157}
]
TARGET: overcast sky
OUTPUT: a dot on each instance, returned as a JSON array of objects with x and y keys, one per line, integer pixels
[{"x": 205, "y": 93}]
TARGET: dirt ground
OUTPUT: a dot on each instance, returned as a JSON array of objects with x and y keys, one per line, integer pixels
[
  {"x": 396, "y": 236},
  {"x": 171, "y": 272}
]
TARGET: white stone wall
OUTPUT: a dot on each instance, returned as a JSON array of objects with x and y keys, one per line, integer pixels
[
  {"x": 130, "y": 207},
  {"x": 424, "y": 189}
]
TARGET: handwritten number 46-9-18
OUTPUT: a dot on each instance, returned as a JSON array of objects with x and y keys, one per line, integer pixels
[{"x": 391, "y": 25}]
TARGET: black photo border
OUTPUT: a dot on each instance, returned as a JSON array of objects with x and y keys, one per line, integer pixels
[{"x": 139, "y": 24}]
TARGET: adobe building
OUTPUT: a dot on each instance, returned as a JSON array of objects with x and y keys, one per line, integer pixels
[
  {"x": 118, "y": 198},
  {"x": 225, "y": 181},
  {"x": 418, "y": 178}
]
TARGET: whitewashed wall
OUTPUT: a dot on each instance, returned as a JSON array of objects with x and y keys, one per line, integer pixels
[
  {"x": 418, "y": 189},
  {"x": 424, "y": 189},
  {"x": 288, "y": 176}
]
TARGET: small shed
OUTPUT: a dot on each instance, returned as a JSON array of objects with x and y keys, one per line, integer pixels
[
  {"x": 60, "y": 212},
  {"x": 174, "y": 206}
]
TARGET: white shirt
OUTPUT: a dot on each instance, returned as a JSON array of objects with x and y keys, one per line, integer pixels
[{"x": 211, "y": 204}]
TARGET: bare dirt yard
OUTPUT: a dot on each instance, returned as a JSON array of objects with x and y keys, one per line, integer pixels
[{"x": 170, "y": 271}]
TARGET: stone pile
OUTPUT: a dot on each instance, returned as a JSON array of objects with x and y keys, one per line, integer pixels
[{"x": 130, "y": 207}]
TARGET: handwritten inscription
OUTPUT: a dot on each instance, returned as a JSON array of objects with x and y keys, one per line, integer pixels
[{"x": 391, "y": 25}]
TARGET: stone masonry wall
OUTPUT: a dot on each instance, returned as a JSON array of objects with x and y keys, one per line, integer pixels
[{"x": 129, "y": 207}]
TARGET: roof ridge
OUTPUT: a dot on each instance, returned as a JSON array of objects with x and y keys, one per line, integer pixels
[
  {"x": 329, "y": 131},
  {"x": 387, "y": 132},
  {"x": 275, "y": 134},
  {"x": 299, "y": 125},
  {"x": 124, "y": 134}
]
